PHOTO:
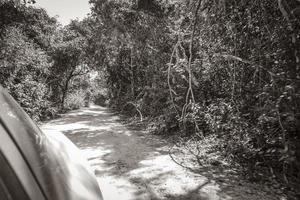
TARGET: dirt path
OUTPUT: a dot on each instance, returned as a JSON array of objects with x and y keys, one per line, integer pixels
[{"x": 133, "y": 165}]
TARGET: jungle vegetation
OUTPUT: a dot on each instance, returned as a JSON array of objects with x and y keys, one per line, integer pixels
[{"x": 223, "y": 74}]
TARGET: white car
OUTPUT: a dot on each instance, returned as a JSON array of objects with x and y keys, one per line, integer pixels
[{"x": 36, "y": 166}]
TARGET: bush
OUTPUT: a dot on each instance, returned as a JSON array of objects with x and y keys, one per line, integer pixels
[
  {"x": 75, "y": 100},
  {"x": 23, "y": 71},
  {"x": 101, "y": 100}
]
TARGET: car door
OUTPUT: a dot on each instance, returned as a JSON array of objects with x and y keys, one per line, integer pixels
[
  {"x": 55, "y": 162},
  {"x": 16, "y": 179}
]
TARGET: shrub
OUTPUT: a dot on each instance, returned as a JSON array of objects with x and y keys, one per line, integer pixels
[{"x": 75, "y": 100}]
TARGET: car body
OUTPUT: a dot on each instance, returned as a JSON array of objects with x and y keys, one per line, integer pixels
[{"x": 38, "y": 166}]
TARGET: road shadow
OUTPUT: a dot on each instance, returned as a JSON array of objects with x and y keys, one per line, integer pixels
[{"x": 131, "y": 164}]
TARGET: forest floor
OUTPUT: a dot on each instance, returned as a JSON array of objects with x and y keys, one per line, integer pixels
[{"x": 131, "y": 164}]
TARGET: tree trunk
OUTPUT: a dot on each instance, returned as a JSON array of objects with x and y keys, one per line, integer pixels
[{"x": 65, "y": 89}]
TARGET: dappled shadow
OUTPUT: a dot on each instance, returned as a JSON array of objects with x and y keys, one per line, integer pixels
[
  {"x": 85, "y": 115},
  {"x": 190, "y": 195},
  {"x": 119, "y": 158},
  {"x": 230, "y": 181},
  {"x": 133, "y": 165}
]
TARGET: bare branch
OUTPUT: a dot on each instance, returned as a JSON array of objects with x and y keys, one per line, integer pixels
[{"x": 136, "y": 107}]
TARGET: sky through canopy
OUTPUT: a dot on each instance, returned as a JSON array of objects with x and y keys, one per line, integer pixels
[{"x": 65, "y": 9}]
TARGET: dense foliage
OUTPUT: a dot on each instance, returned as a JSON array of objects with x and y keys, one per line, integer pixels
[
  {"x": 41, "y": 63},
  {"x": 222, "y": 71}
]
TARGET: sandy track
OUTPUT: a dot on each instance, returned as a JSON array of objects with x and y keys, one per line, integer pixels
[{"x": 133, "y": 165}]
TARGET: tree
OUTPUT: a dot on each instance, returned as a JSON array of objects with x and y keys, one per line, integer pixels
[
  {"x": 25, "y": 35},
  {"x": 23, "y": 71},
  {"x": 68, "y": 54},
  {"x": 222, "y": 69}
]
